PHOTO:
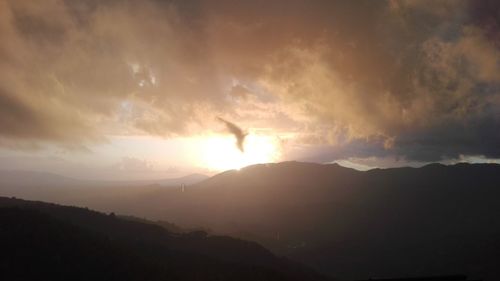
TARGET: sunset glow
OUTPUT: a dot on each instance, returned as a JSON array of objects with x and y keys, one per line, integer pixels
[{"x": 219, "y": 153}]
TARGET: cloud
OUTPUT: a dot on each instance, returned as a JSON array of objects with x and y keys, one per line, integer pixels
[
  {"x": 132, "y": 164},
  {"x": 414, "y": 79},
  {"x": 237, "y": 132}
]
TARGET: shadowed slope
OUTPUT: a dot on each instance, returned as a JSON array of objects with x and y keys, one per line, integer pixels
[{"x": 47, "y": 241}]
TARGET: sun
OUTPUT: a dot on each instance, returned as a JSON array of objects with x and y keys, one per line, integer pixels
[{"x": 219, "y": 153}]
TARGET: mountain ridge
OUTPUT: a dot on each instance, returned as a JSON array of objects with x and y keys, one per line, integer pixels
[
  {"x": 432, "y": 220},
  {"x": 323, "y": 212}
]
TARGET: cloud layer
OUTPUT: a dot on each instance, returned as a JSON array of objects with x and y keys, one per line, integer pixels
[{"x": 415, "y": 79}]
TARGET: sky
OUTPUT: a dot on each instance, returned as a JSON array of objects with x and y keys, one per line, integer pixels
[{"x": 137, "y": 89}]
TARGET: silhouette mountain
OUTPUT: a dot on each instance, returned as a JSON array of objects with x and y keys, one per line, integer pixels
[
  {"x": 432, "y": 220},
  {"x": 42, "y": 241}
]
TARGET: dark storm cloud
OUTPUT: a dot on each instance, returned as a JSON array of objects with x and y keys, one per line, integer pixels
[{"x": 415, "y": 79}]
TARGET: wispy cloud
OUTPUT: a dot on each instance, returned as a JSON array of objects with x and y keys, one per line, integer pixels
[{"x": 237, "y": 132}]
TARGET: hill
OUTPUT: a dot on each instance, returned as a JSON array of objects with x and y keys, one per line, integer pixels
[
  {"x": 432, "y": 220},
  {"x": 50, "y": 187},
  {"x": 35, "y": 179},
  {"x": 41, "y": 241}
]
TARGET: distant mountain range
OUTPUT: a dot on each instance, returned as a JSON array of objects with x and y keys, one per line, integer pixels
[
  {"x": 42, "y": 241},
  {"x": 21, "y": 178},
  {"x": 433, "y": 220},
  {"x": 59, "y": 189}
]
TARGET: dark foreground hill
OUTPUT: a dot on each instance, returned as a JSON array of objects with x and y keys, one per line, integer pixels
[{"x": 42, "y": 241}]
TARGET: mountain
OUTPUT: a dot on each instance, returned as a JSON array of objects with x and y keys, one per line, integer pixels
[
  {"x": 51, "y": 242},
  {"x": 433, "y": 220},
  {"x": 36, "y": 179},
  {"x": 55, "y": 188}
]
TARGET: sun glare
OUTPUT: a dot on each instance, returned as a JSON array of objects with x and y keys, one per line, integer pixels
[{"x": 219, "y": 153}]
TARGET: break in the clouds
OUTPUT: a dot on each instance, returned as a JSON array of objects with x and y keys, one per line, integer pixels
[{"x": 414, "y": 79}]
